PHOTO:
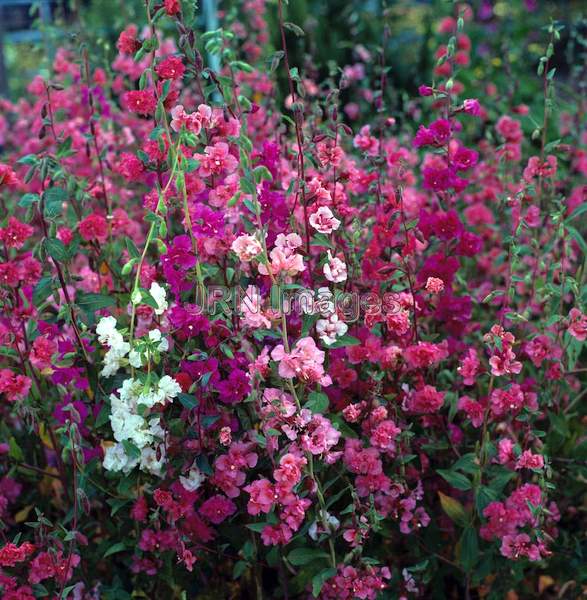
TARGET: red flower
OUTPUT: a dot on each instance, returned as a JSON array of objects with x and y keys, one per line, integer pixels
[
  {"x": 172, "y": 7},
  {"x": 170, "y": 68},
  {"x": 94, "y": 227},
  {"x": 15, "y": 233},
  {"x": 142, "y": 102},
  {"x": 127, "y": 40}
]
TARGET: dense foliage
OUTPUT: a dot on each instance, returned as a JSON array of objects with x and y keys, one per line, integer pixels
[{"x": 327, "y": 342}]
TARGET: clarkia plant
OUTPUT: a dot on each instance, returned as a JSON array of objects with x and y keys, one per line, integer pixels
[{"x": 287, "y": 345}]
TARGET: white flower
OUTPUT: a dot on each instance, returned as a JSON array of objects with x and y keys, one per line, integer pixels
[
  {"x": 118, "y": 348},
  {"x": 113, "y": 358},
  {"x": 134, "y": 358},
  {"x": 331, "y": 328},
  {"x": 156, "y": 336},
  {"x": 149, "y": 461},
  {"x": 324, "y": 221},
  {"x": 106, "y": 328},
  {"x": 116, "y": 459},
  {"x": 160, "y": 298},
  {"x": 335, "y": 269},
  {"x": 194, "y": 479},
  {"x": 169, "y": 387}
]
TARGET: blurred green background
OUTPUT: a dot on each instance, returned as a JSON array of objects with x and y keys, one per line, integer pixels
[{"x": 506, "y": 36}]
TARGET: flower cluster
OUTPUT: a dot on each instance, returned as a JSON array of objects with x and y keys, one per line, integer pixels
[{"x": 157, "y": 436}]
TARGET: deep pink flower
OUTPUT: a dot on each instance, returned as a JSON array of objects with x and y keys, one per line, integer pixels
[
  {"x": 94, "y": 227},
  {"x": 15, "y": 234},
  {"x": 217, "y": 508},
  {"x": 142, "y": 102},
  {"x": 171, "y": 67}
]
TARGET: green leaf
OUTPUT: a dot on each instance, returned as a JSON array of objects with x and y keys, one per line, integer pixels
[
  {"x": 14, "y": 450},
  {"x": 578, "y": 238},
  {"x": 319, "y": 580},
  {"x": 457, "y": 480},
  {"x": 262, "y": 173},
  {"x": 90, "y": 303},
  {"x": 345, "y": 340},
  {"x": 453, "y": 508},
  {"x": 188, "y": 401},
  {"x": 103, "y": 416},
  {"x": 28, "y": 200},
  {"x": 294, "y": 29},
  {"x": 256, "y": 527},
  {"x": 317, "y": 402},
  {"x": 466, "y": 463},
  {"x": 247, "y": 186},
  {"x": 469, "y": 545},
  {"x": 133, "y": 251},
  {"x": 56, "y": 249},
  {"x": 54, "y": 198},
  {"x": 42, "y": 290},
  {"x": 131, "y": 449},
  {"x": 303, "y": 556},
  {"x": 499, "y": 482},
  {"x": 559, "y": 423},
  {"x": 118, "y": 547},
  {"x": 485, "y": 495},
  {"x": 578, "y": 211},
  {"x": 239, "y": 569}
]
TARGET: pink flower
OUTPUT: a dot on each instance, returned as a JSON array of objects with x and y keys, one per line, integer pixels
[
  {"x": 251, "y": 309},
  {"x": 509, "y": 129},
  {"x": 304, "y": 361},
  {"x": 7, "y": 176},
  {"x": 130, "y": 167},
  {"x": 537, "y": 169},
  {"x": 289, "y": 472},
  {"x": 15, "y": 234},
  {"x": 335, "y": 269},
  {"x": 511, "y": 401},
  {"x": 11, "y": 554},
  {"x": 577, "y": 324},
  {"x": 216, "y": 160},
  {"x": 425, "y": 354},
  {"x": 434, "y": 285},
  {"x": 472, "y": 107},
  {"x": 384, "y": 434},
  {"x": 426, "y": 400},
  {"x": 172, "y": 7},
  {"x": 94, "y": 227},
  {"x": 324, "y": 221},
  {"x": 469, "y": 367},
  {"x": 276, "y": 534},
  {"x": 193, "y": 122},
  {"x": 474, "y": 410},
  {"x": 505, "y": 452},
  {"x": 319, "y": 436},
  {"x": 41, "y": 352},
  {"x": 170, "y": 68},
  {"x": 247, "y": 247},
  {"x": 127, "y": 40},
  {"x": 501, "y": 521},
  {"x": 528, "y": 460},
  {"x": 142, "y": 102},
  {"x": 217, "y": 508},
  {"x": 16, "y": 387},
  {"x": 505, "y": 363},
  {"x": 518, "y": 546},
  {"x": 263, "y": 496}
]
